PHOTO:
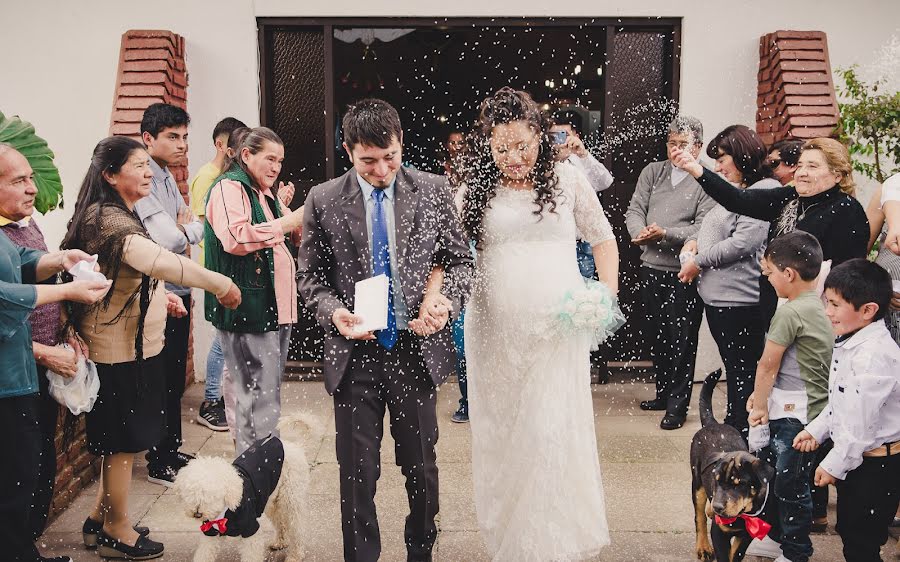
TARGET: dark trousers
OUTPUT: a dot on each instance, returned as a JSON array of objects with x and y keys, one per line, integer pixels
[
  {"x": 790, "y": 510},
  {"x": 48, "y": 414},
  {"x": 175, "y": 360},
  {"x": 675, "y": 312},
  {"x": 820, "y": 495},
  {"x": 866, "y": 503},
  {"x": 399, "y": 380},
  {"x": 19, "y": 418},
  {"x": 739, "y": 334}
]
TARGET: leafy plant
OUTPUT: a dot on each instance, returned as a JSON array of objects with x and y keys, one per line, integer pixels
[
  {"x": 20, "y": 134},
  {"x": 870, "y": 124}
]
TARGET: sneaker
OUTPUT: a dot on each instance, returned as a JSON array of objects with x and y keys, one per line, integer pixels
[
  {"x": 181, "y": 460},
  {"x": 461, "y": 416},
  {"x": 163, "y": 475},
  {"x": 212, "y": 415},
  {"x": 765, "y": 548}
]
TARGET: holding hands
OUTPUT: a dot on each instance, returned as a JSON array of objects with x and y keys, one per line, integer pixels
[
  {"x": 433, "y": 315},
  {"x": 805, "y": 442}
]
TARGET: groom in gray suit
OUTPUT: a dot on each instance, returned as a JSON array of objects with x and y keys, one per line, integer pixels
[{"x": 381, "y": 218}]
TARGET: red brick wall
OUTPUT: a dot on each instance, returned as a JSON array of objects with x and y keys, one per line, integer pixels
[
  {"x": 795, "y": 97},
  {"x": 151, "y": 69}
]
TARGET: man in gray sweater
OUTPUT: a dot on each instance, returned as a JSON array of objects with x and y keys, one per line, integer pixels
[{"x": 666, "y": 209}]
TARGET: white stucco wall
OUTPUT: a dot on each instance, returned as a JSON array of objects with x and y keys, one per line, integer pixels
[{"x": 60, "y": 57}]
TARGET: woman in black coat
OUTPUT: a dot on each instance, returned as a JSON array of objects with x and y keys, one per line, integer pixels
[{"x": 821, "y": 203}]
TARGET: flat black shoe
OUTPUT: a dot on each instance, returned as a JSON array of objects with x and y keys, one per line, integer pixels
[
  {"x": 55, "y": 559},
  {"x": 91, "y": 529},
  {"x": 671, "y": 421},
  {"x": 143, "y": 549},
  {"x": 653, "y": 405}
]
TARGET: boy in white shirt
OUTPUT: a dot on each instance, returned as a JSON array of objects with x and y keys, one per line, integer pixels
[{"x": 863, "y": 413}]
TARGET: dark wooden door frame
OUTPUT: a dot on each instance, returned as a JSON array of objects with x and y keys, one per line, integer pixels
[
  {"x": 268, "y": 25},
  {"x": 264, "y": 24}
]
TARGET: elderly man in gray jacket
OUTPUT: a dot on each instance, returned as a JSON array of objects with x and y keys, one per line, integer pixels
[{"x": 666, "y": 209}]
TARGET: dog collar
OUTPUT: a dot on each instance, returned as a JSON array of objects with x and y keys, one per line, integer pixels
[
  {"x": 219, "y": 524},
  {"x": 763, "y": 506}
]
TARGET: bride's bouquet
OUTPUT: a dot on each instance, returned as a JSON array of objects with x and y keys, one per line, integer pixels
[{"x": 593, "y": 308}]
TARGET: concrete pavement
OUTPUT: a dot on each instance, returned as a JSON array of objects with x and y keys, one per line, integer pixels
[{"x": 645, "y": 472}]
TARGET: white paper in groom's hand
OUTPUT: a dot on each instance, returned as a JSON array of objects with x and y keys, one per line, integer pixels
[{"x": 371, "y": 303}]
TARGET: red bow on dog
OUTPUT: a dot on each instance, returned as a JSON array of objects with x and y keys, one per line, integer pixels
[
  {"x": 755, "y": 526},
  {"x": 220, "y": 524}
]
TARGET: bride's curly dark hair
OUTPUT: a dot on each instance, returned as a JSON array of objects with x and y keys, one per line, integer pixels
[{"x": 481, "y": 172}]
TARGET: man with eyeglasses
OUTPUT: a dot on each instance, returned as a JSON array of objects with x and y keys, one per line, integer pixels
[{"x": 667, "y": 207}]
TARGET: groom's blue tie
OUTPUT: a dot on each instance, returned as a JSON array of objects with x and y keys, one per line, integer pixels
[{"x": 381, "y": 259}]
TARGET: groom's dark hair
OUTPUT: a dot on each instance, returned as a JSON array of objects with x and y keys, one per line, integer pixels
[{"x": 372, "y": 122}]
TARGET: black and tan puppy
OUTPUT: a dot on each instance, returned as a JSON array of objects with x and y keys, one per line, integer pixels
[{"x": 726, "y": 481}]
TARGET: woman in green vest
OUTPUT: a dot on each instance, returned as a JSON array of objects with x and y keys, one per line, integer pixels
[{"x": 250, "y": 238}]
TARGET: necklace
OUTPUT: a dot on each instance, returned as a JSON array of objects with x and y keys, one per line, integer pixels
[{"x": 804, "y": 210}]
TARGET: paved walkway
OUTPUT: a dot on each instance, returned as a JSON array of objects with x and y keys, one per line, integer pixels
[{"x": 645, "y": 472}]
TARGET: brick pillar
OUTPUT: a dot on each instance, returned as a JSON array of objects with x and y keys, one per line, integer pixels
[
  {"x": 151, "y": 70},
  {"x": 795, "y": 97}
]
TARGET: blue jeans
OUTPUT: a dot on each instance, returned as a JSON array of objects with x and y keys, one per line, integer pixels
[
  {"x": 215, "y": 364},
  {"x": 791, "y": 513},
  {"x": 459, "y": 343},
  {"x": 585, "y": 259}
]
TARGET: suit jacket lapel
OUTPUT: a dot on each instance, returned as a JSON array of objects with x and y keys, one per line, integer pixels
[
  {"x": 405, "y": 205},
  {"x": 355, "y": 214}
]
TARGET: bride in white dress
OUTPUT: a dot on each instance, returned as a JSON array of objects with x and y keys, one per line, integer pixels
[{"x": 538, "y": 491}]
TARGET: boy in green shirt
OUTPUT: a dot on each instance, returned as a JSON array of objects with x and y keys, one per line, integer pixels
[{"x": 791, "y": 386}]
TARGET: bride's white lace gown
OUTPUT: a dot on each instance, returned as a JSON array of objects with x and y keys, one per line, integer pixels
[{"x": 538, "y": 491}]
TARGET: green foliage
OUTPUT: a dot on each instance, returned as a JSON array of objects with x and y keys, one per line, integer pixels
[
  {"x": 870, "y": 125},
  {"x": 20, "y": 134}
]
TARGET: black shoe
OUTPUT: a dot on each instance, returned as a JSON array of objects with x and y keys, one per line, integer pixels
[
  {"x": 143, "y": 549},
  {"x": 180, "y": 460},
  {"x": 461, "y": 416},
  {"x": 672, "y": 421},
  {"x": 163, "y": 475},
  {"x": 656, "y": 405},
  {"x": 91, "y": 529},
  {"x": 212, "y": 415},
  {"x": 55, "y": 559}
]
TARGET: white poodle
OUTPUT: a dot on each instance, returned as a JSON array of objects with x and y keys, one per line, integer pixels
[{"x": 208, "y": 486}]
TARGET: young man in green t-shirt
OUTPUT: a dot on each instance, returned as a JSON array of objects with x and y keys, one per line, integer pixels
[
  {"x": 791, "y": 386},
  {"x": 212, "y": 409}
]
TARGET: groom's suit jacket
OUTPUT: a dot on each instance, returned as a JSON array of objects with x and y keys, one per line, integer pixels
[{"x": 334, "y": 255}]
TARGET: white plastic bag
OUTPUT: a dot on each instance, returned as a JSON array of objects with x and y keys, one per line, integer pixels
[
  {"x": 78, "y": 393},
  {"x": 758, "y": 438}
]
